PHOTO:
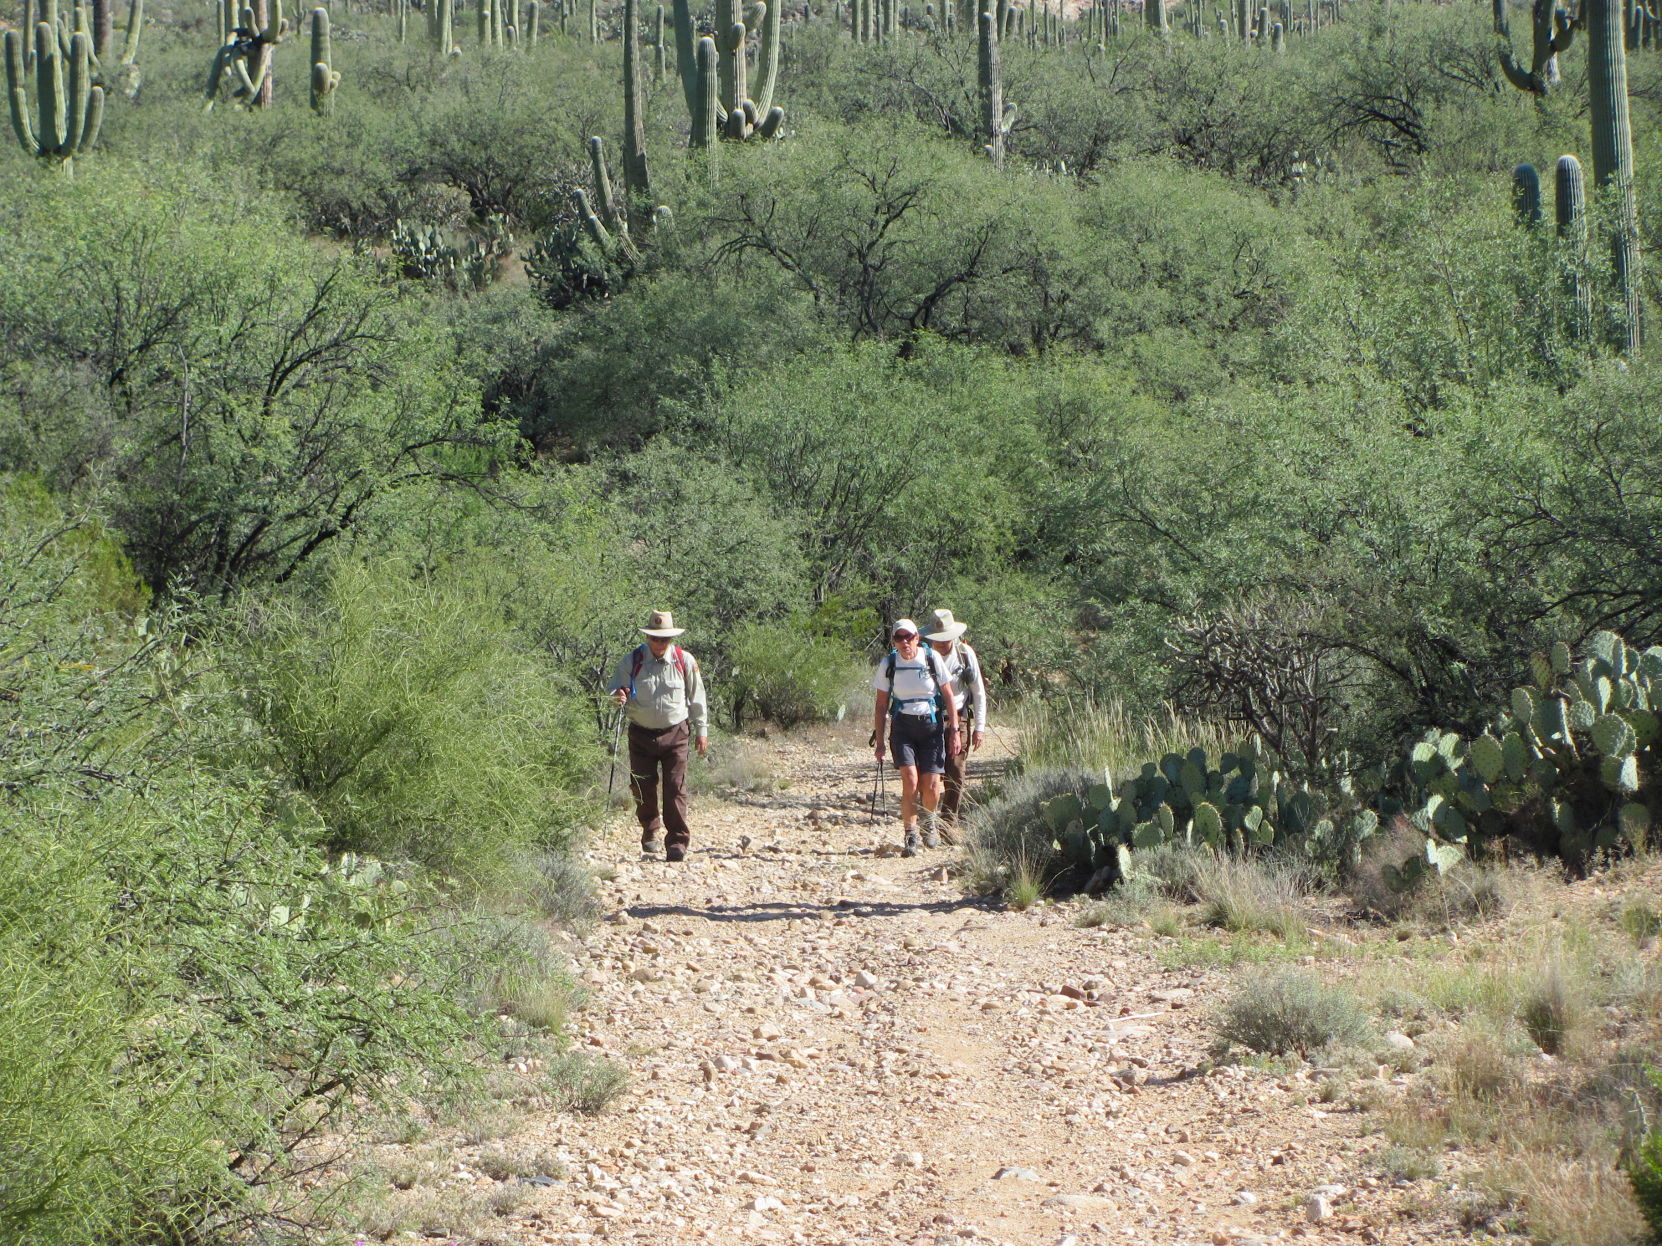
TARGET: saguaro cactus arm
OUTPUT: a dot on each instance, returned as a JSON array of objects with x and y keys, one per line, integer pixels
[{"x": 1551, "y": 30}]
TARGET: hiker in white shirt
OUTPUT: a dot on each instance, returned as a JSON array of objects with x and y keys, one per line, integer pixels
[
  {"x": 963, "y": 668},
  {"x": 915, "y": 696}
]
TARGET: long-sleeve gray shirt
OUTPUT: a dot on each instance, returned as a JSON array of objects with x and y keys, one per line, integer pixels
[
  {"x": 661, "y": 697},
  {"x": 963, "y": 664}
]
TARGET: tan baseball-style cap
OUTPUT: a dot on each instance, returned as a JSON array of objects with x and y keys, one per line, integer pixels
[{"x": 662, "y": 626}]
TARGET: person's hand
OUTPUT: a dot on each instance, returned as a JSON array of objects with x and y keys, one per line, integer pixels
[
  {"x": 703, "y": 745},
  {"x": 976, "y": 738},
  {"x": 621, "y": 696},
  {"x": 879, "y": 749}
]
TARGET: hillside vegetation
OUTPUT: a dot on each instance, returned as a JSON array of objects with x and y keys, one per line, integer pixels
[{"x": 351, "y": 425}]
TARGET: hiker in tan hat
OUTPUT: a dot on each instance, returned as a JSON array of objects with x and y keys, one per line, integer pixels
[
  {"x": 915, "y": 695},
  {"x": 661, "y": 690},
  {"x": 963, "y": 667}
]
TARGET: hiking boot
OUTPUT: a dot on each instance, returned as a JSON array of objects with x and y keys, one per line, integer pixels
[
  {"x": 912, "y": 844},
  {"x": 931, "y": 839},
  {"x": 649, "y": 841},
  {"x": 675, "y": 852}
]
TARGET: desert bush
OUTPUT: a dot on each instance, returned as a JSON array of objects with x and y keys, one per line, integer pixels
[
  {"x": 786, "y": 674},
  {"x": 1290, "y": 1011},
  {"x": 198, "y": 995},
  {"x": 411, "y": 716},
  {"x": 1008, "y": 834}
]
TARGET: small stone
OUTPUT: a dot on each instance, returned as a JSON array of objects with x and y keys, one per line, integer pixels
[
  {"x": 1318, "y": 1207},
  {"x": 767, "y": 1031},
  {"x": 1078, "y": 1202},
  {"x": 619, "y": 918},
  {"x": 865, "y": 981},
  {"x": 725, "y": 1064},
  {"x": 910, "y": 1159},
  {"x": 1016, "y": 1174},
  {"x": 1244, "y": 1198}
]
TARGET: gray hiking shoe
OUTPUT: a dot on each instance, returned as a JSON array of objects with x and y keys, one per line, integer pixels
[
  {"x": 912, "y": 844},
  {"x": 931, "y": 839},
  {"x": 649, "y": 842}
]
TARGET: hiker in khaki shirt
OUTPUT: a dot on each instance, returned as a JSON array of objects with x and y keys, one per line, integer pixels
[{"x": 661, "y": 690}]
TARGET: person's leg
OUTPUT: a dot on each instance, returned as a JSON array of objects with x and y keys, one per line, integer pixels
[
  {"x": 674, "y": 745},
  {"x": 643, "y": 783},
  {"x": 908, "y": 796},
  {"x": 931, "y": 754},
  {"x": 952, "y": 787}
]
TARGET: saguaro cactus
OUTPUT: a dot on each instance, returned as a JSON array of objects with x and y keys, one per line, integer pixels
[
  {"x": 709, "y": 86},
  {"x": 1155, "y": 13},
  {"x": 245, "y": 56},
  {"x": 1570, "y": 204},
  {"x": 1551, "y": 31},
  {"x": 1613, "y": 159},
  {"x": 325, "y": 78},
  {"x": 637, "y": 184},
  {"x": 441, "y": 24},
  {"x": 995, "y": 119},
  {"x": 68, "y": 108}
]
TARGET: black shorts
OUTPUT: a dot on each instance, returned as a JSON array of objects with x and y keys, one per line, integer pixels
[{"x": 915, "y": 741}]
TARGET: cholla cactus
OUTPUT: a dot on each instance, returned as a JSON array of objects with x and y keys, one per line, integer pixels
[{"x": 68, "y": 108}]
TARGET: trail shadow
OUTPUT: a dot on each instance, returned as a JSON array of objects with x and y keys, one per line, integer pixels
[{"x": 781, "y": 910}]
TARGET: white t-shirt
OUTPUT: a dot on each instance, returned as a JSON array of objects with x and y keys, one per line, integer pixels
[{"x": 914, "y": 691}]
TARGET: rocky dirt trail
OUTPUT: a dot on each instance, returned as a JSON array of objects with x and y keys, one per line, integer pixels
[{"x": 830, "y": 1044}]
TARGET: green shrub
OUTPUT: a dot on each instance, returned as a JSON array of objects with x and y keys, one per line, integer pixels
[
  {"x": 1290, "y": 1011},
  {"x": 194, "y": 991},
  {"x": 409, "y": 713},
  {"x": 787, "y": 675},
  {"x": 1645, "y": 1172}
]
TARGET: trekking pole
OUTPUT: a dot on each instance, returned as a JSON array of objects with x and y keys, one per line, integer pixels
[
  {"x": 617, "y": 735},
  {"x": 871, "y": 807}
]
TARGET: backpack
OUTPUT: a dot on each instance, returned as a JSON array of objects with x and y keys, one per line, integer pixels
[
  {"x": 682, "y": 659},
  {"x": 930, "y": 658}
]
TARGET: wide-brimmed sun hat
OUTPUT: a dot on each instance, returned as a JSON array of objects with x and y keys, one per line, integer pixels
[
  {"x": 662, "y": 626},
  {"x": 946, "y": 627},
  {"x": 903, "y": 625}
]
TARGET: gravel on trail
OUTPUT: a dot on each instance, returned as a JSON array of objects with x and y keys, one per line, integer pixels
[{"x": 831, "y": 1044}]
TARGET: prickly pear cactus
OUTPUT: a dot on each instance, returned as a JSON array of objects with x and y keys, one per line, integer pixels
[
  {"x": 1569, "y": 767},
  {"x": 1237, "y": 802}
]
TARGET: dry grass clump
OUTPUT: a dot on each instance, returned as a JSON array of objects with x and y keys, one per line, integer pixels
[
  {"x": 1251, "y": 894},
  {"x": 1553, "y": 1010}
]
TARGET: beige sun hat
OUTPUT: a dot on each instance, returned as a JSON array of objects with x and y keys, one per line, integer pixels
[
  {"x": 946, "y": 627},
  {"x": 662, "y": 626}
]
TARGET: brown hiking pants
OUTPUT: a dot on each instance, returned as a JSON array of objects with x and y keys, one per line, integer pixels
[
  {"x": 654, "y": 757},
  {"x": 952, "y": 790}
]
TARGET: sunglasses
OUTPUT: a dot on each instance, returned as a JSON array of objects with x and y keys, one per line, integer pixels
[{"x": 905, "y": 635}]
